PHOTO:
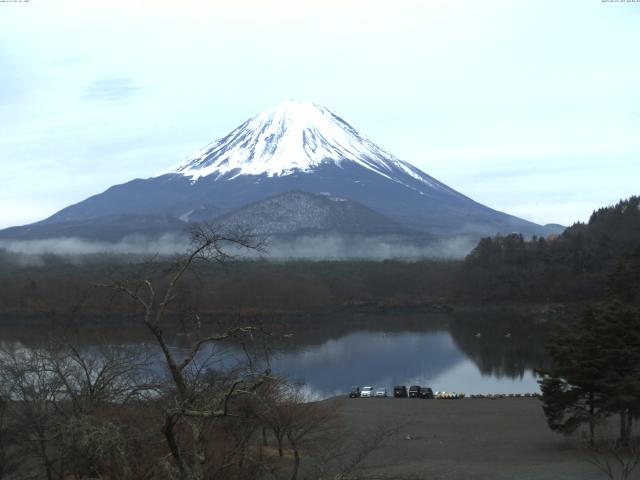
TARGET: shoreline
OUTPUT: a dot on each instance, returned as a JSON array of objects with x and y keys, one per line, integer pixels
[{"x": 541, "y": 312}]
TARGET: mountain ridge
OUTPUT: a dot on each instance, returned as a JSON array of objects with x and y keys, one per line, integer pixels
[{"x": 294, "y": 146}]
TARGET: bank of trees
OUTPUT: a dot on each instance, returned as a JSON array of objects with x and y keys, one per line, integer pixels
[
  {"x": 595, "y": 369},
  {"x": 571, "y": 267},
  {"x": 60, "y": 290}
]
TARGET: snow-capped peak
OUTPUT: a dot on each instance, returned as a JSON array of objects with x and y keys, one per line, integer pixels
[{"x": 294, "y": 136}]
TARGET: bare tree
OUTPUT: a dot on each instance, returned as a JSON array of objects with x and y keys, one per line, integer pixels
[
  {"x": 616, "y": 460},
  {"x": 318, "y": 443},
  {"x": 342, "y": 454},
  {"x": 285, "y": 410},
  {"x": 6, "y": 465},
  {"x": 34, "y": 394},
  {"x": 101, "y": 376},
  {"x": 97, "y": 387},
  {"x": 272, "y": 413},
  {"x": 195, "y": 397},
  {"x": 306, "y": 420},
  {"x": 66, "y": 410}
]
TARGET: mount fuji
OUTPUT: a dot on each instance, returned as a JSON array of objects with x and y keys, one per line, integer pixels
[{"x": 294, "y": 147}]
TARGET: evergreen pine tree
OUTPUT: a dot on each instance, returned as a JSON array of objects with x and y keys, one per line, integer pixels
[
  {"x": 572, "y": 388},
  {"x": 595, "y": 370}
]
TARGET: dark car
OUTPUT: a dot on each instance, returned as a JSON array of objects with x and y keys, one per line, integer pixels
[
  {"x": 426, "y": 392},
  {"x": 400, "y": 391},
  {"x": 414, "y": 391},
  {"x": 355, "y": 392}
]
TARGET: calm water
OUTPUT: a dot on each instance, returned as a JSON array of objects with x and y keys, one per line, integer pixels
[
  {"x": 384, "y": 359},
  {"x": 473, "y": 353}
]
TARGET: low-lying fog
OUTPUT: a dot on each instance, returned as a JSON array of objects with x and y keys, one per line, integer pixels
[{"x": 306, "y": 247}]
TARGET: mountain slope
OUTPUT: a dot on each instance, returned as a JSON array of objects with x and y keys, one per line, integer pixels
[
  {"x": 106, "y": 228},
  {"x": 297, "y": 212},
  {"x": 297, "y": 146}
]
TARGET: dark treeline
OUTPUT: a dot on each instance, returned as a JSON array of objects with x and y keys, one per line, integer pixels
[
  {"x": 58, "y": 288},
  {"x": 571, "y": 267}
]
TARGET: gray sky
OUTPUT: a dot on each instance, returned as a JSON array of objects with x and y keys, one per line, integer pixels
[{"x": 531, "y": 107}]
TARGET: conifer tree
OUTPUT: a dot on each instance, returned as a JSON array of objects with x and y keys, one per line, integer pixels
[
  {"x": 595, "y": 370},
  {"x": 571, "y": 388}
]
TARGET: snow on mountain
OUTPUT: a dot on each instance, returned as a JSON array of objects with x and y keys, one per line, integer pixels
[
  {"x": 294, "y": 137},
  {"x": 295, "y": 146}
]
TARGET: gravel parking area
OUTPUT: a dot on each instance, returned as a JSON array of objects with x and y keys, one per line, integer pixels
[{"x": 471, "y": 439}]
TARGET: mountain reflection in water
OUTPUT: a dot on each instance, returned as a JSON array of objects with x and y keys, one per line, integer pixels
[
  {"x": 478, "y": 352},
  {"x": 400, "y": 358}
]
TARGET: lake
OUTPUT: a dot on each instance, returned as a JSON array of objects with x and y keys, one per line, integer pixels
[
  {"x": 478, "y": 352},
  {"x": 383, "y": 359}
]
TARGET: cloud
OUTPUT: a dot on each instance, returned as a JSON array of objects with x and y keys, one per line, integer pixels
[
  {"x": 76, "y": 247},
  {"x": 111, "y": 90},
  {"x": 372, "y": 247}
]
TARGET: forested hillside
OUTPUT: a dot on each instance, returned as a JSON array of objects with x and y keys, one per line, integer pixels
[
  {"x": 570, "y": 267},
  {"x": 58, "y": 288}
]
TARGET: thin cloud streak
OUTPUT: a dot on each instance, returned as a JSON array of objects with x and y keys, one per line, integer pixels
[{"x": 114, "y": 90}]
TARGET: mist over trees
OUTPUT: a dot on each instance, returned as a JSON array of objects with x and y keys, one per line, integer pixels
[{"x": 569, "y": 268}]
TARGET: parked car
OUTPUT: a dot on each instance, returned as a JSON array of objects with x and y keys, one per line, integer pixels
[
  {"x": 381, "y": 392},
  {"x": 414, "y": 391},
  {"x": 426, "y": 392},
  {"x": 400, "y": 391},
  {"x": 355, "y": 392},
  {"x": 366, "y": 392}
]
